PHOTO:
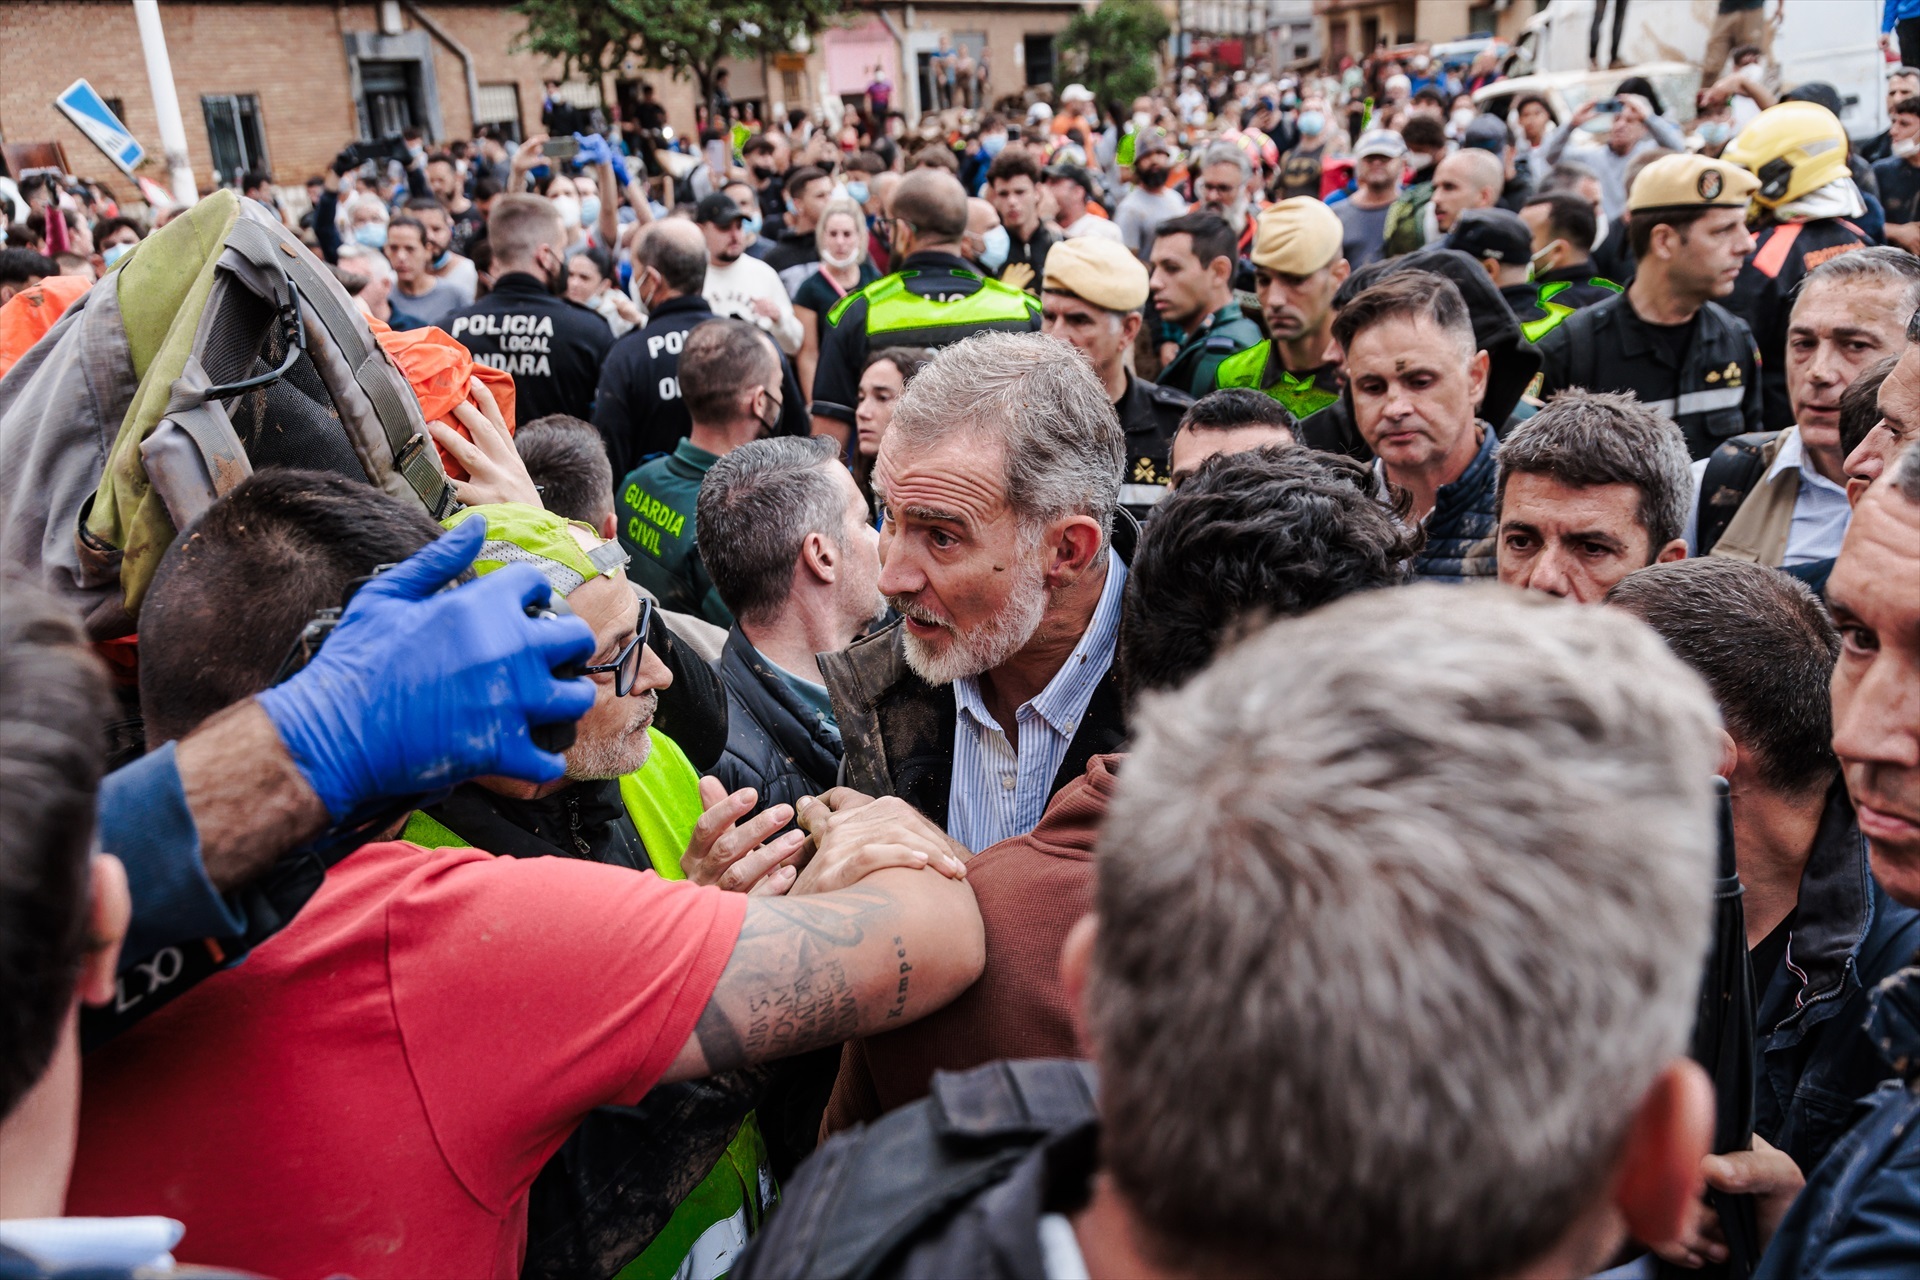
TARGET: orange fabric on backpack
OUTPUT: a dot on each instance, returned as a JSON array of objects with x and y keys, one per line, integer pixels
[
  {"x": 28, "y": 314},
  {"x": 437, "y": 367}
]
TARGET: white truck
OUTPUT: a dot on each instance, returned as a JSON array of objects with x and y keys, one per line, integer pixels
[{"x": 1837, "y": 41}]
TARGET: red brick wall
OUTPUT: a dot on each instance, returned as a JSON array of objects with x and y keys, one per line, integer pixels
[{"x": 289, "y": 54}]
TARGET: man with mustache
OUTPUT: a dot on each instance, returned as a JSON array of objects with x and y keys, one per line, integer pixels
[{"x": 1004, "y": 554}]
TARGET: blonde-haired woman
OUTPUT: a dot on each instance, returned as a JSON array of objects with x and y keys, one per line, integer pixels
[{"x": 844, "y": 269}]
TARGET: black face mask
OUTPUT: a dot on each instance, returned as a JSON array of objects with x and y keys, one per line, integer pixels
[
  {"x": 764, "y": 171},
  {"x": 1151, "y": 179}
]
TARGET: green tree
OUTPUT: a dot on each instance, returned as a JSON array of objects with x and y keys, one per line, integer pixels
[
  {"x": 1111, "y": 49},
  {"x": 685, "y": 37}
]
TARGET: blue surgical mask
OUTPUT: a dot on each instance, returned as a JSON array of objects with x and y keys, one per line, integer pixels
[
  {"x": 1715, "y": 132},
  {"x": 992, "y": 142},
  {"x": 857, "y": 192},
  {"x": 371, "y": 234},
  {"x": 440, "y": 263},
  {"x": 751, "y": 223},
  {"x": 994, "y": 247},
  {"x": 589, "y": 211},
  {"x": 1312, "y": 123},
  {"x": 114, "y": 252}
]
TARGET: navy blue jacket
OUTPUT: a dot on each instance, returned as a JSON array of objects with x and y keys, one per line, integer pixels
[
  {"x": 1859, "y": 1215},
  {"x": 1463, "y": 526},
  {"x": 1816, "y": 1061}
]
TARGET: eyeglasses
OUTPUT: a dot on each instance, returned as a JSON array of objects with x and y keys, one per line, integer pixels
[{"x": 626, "y": 664}]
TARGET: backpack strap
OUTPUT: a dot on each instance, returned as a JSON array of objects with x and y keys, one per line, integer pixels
[
  {"x": 870, "y": 1191},
  {"x": 370, "y": 370},
  {"x": 1732, "y": 471}
]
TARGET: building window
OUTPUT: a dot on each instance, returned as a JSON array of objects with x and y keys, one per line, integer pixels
[
  {"x": 1369, "y": 35},
  {"x": 500, "y": 107},
  {"x": 389, "y": 94},
  {"x": 235, "y": 135},
  {"x": 1039, "y": 51}
]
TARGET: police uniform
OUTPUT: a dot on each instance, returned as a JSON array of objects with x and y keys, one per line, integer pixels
[
  {"x": 1226, "y": 332},
  {"x": 935, "y": 299},
  {"x": 552, "y": 346},
  {"x": 1794, "y": 150},
  {"x": 1297, "y": 238},
  {"x": 1703, "y": 374},
  {"x": 1105, "y": 274},
  {"x": 638, "y": 409}
]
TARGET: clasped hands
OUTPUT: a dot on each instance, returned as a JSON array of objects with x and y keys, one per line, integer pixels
[{"x": 841, "y": 837}]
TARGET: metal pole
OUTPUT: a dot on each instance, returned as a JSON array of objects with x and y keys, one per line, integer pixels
[{"x": 166, "y": 103}]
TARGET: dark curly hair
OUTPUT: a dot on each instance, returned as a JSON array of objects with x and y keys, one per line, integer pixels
[{"x": 1249, "y": 537}]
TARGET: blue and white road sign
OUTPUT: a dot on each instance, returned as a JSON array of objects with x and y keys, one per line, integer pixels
[{"x": 90, "y": 114}]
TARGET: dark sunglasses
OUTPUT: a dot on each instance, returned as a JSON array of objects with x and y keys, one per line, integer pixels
[{"x": 626, "y": 664}]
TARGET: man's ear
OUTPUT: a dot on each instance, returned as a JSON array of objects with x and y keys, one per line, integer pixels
[
  {"x": 109, "y": 908},
  {"x": 1729, "y": 756},
  {"x": 1221, "y": 269},
  {"x": 1675, "y": 550},
  {"x": 1075, "y": 541},
  {"x": 609, "y": 526},
  {"x": 1076, "y": 966},
  {"x": 820, "y": 557},
  {"x": 1130, "y": 326},
  {"x": 1657, "y": 1173},
  {"x": 1477, "y": 377}
]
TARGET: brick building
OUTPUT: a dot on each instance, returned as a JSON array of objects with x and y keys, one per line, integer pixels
[{"x": 284, "y": 84}]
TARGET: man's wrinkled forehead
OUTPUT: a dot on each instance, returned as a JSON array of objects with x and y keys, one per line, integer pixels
[{"x": 961, "y": 475}]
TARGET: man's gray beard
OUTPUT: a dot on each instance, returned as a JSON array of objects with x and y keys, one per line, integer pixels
[
  {"x": 990, "y": 644},
  {"x": 614, "y": 757}
]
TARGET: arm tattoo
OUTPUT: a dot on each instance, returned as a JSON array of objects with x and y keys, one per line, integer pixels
[{"x": 785, "y": 990}]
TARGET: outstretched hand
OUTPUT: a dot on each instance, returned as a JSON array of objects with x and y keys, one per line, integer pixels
[{"x": 419, "y": 688}]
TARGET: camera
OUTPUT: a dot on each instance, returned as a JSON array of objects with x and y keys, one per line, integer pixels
[{"x": 357, "y": 153}]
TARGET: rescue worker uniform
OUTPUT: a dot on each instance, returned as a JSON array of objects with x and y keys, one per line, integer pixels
[
  {"x": 1227, "y": 332},
  {"x": 552, "y": 346},
  {"x": 935, "y": 299},
  {"x": 1105, "y": 274},
  {"x": 1294, "y": 238},
  {"x": 1705, "y": 373},
  {"x": 1806, "y": 199}
]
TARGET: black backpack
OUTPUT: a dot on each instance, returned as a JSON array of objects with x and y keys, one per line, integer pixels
[
  {"x": 877, "y": 1188},
  {"x": 1733, "y": 469}
]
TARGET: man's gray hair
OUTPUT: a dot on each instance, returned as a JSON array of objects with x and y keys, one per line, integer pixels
[
  {"x": 1040, "y": 401},
  {"x": 1586, "y": 438},
  {"x": 1228, "y": 153},
  {"x": 1387, "y": 958},
  {"x": 1876, "y": 265},
  {"x": 756, "y": 507}
]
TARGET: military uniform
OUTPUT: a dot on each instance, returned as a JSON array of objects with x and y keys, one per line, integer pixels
[
  {"x": 1301, "y": 393},
  {"x": 1712, "y": 388},
  {"x": 933, "y": 300},
  {"x": 1225, "y": 333},
  {"x": 1704, "y": 374},
  {"x": 656, "y": 525},
  {"x": 1150, "y": 413}
]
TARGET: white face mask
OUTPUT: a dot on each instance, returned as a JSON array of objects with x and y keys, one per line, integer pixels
[
  {"x": 569, "y": 209},
  {"x": 1142, "y": 121},
  {"x": 1906, "y": 147}
]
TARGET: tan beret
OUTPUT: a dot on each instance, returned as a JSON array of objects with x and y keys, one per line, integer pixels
[
  {"x": 1097, "y": 270},
  {"x": 1297, "y": 237},
  {"x": 1687, "y": 181}
]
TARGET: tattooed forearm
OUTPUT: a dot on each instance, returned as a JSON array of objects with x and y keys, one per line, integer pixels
[
  {"x": 787, "y": 988},
  {"x": 899, "y": 1005}
]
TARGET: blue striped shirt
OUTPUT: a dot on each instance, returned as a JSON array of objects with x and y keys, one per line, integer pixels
[{"x": 998, "y": 793}]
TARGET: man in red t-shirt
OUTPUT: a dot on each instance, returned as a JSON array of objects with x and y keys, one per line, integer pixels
[{"x": 374, "y": 1089}]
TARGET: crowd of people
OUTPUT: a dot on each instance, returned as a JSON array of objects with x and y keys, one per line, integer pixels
[{"x": 1067, "y": 690}]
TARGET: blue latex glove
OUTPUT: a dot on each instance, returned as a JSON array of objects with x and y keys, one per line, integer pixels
[
  {"x": 418, "y": 690},
  {"x": 595, "y": 149}
]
